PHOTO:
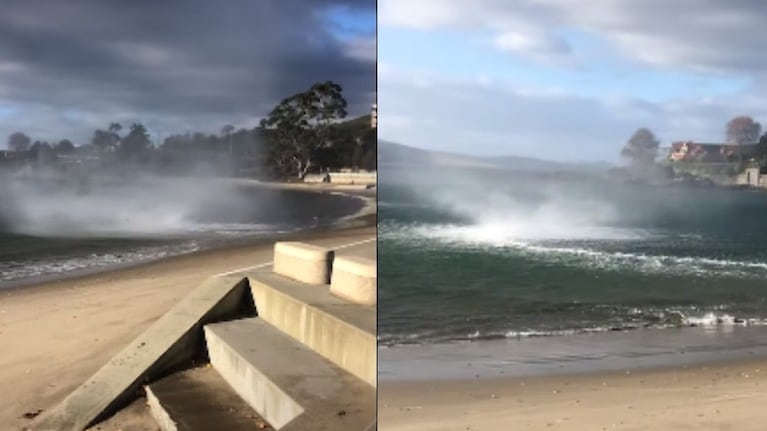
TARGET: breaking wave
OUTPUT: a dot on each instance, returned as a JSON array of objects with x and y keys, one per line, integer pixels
[{"x": 671, "y": 318}]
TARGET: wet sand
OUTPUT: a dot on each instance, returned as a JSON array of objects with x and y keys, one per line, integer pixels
[
  {"x": 56, "y": 334},
  {"x": 714, "y": 396}
]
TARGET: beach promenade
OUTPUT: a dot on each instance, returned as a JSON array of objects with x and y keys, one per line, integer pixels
[{"x": 56, "y": 335}]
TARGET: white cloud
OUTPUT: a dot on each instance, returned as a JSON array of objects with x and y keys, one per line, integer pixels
[
  {"x": 363, "y": 49},
  {"x": 422, "y": 14},
  {"x": 534, "y": 44},
  {"x": 709, "y": 35}
]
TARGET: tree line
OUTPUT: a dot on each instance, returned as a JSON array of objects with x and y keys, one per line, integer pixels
[{"x": 306, "y": 132}]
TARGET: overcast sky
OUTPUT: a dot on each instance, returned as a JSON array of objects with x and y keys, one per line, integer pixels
[
  {"x": 68, "y": 67},
  {"x": 567, "y": 79}
]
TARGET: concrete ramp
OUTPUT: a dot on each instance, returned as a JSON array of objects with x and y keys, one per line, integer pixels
[
  {"x": 287, "y": 383},
  {"x": 170, "y": 342}
]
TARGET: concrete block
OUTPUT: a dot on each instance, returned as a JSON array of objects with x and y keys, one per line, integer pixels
[
  {"x": 303, "y": 262},
  {"x": 340, "y": 331},
  {"x": 354, "y": 279},
  {"x": 292, "y": 387},
  {"x": 199, "y": 400}
]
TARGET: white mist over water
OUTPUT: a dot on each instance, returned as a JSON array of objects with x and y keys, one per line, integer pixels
[
  {"x": 147, "y": 206},
  {"x": 508, "y": 213}
]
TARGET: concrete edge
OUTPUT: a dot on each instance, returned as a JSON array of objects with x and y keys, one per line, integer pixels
[
  {"x": 356, "y": 265},
  {"x": 169, "y": 343},
  {"x": 158, "y": 412},
  {"x": 302, "y": 250},
  {"x": 304, "y": 262},
  {"x": 265, "y": 410},
  {"x": 354, "y": 279},
  {"x": 252, "y": 278}
]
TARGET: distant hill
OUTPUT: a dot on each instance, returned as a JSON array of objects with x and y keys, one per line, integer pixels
[{"x": 394, "y": 154}]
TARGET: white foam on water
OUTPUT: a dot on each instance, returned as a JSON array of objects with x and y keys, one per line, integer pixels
[
  {"x": 17, "y": 270},
  {"x": 503, "y": 233},
  {"x": 709, "y": 320},
  {"x": 506, "y": 238}
]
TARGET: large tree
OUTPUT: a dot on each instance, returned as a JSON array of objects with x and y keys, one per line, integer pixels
[
  {"x": 114, "y": 134},
  {"x": 641, "y": 148},
  {"x": 64, "y": 146},
  {"x": 743, "y": 130},
  {"x": 18, "y": 142},
  {"x": 136, "y": 143},
  {"x": 107, "y": 139},
  {"x": 300, "y": 126}
]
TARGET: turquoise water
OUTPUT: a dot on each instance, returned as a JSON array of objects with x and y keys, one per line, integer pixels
[{"x": 476, "y": 255}]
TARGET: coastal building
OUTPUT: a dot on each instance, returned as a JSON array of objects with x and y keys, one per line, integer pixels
[
  {"x": 754, "y": 175},
  {"x": 12, "y": 159},
  {"x": 723, "y": 164},
  {"x": 344, "y": 177},
  {"x": 7, "y": 155},
  {"x": 689, "y": 151}
]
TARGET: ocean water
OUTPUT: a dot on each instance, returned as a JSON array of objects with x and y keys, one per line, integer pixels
[
  {"x": 471, "y": 255},
  {"x": 53, "y": 226}
]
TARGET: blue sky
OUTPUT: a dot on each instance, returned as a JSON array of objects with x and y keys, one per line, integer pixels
[
  {"x": 566, "y": 80},
  {"x": 349, "y": 23}
]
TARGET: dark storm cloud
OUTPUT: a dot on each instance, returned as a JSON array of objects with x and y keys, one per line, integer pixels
[{"x": 170, "y": 61}]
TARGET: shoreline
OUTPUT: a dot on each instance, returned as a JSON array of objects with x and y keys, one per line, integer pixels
[
  {"x": 364, "y": 217},
  {"x": 651, "y": 348}
]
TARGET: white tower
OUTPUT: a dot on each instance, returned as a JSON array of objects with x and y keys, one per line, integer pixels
[{"x": 374, "y": 116}]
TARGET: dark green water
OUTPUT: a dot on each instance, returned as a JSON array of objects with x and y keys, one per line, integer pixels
[
  {"x": 50, "y": 227},
  {"x": 478, "y": 255}
]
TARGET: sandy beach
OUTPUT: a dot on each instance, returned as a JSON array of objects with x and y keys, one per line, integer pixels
[
  {"x": 720, "y": 396},
  {"x": 56, "y": 334}
]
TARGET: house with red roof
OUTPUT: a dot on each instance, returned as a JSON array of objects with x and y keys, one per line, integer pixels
[{"x": 689, "y": 151}]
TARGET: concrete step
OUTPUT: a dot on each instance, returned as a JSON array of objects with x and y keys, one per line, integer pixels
[
  {"x": 338, "y": 330},
  {"x": 200, "y": 400},
  {"x": 291, "y": 386}
]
